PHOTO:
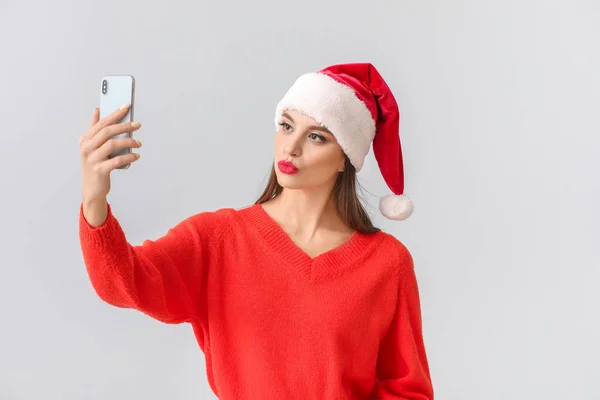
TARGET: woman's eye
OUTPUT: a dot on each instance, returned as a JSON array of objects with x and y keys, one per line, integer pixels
[
  {"x": 315, "y": 136},
  {"x": 287, "y": 127}
]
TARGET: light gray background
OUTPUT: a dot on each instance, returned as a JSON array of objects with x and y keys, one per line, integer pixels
[{"x": 500, "y": 119}]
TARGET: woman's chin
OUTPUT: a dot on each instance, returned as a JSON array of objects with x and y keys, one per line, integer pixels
[{"x": 289, "y": 181}]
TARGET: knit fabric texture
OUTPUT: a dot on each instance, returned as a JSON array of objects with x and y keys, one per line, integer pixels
[{"x": 273, "y": 322}]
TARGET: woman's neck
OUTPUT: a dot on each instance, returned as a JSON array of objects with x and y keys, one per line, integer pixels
[{"x": 305, "y": 212}]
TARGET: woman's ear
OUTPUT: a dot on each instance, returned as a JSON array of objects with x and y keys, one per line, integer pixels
[{"x": 342, "y": 166}]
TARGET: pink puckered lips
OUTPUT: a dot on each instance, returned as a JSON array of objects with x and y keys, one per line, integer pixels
[{"x": 287, "y": 167}]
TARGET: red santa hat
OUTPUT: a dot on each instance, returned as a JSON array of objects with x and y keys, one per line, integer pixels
[{"x": 356, "y": 105}]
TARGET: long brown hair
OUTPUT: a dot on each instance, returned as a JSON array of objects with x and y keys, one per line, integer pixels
[{"x": 347, "y": 201}]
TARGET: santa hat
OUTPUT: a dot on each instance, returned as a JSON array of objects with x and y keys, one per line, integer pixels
[{"x": 356, "y": 105}]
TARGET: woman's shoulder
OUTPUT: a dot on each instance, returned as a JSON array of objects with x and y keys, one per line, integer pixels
[
  {"x": 218, "y": 219},
  {"x": 208, "y": 222},
  {"x": 393, "y": 249}
]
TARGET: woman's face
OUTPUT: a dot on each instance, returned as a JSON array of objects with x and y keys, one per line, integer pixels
[{"x": 306, "y": 154}]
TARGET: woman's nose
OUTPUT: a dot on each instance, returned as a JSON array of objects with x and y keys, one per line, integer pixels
[{"x": 293, "y": 146}]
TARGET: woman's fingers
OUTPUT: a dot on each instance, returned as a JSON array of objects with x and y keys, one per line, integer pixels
[
  {"x": 110, "y": 119},
  {"x": 104, "y": 135},
  {"x": 116, "y": 162},
  {"x": 96, "y": 124},
  {"x": 111, "y": 145},
  {"x": 113, "y": 130}
]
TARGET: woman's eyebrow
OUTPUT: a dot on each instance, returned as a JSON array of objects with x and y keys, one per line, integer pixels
[
  {"x": 313, "y": 127},
  {"x": 287, "y": 116},
  {"x": 320, "y": 128}
]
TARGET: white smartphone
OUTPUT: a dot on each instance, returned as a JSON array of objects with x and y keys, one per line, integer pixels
[{"x": 116, "y": 91}]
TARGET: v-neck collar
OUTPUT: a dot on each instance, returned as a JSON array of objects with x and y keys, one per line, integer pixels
[{"x": 331, "y": 262}]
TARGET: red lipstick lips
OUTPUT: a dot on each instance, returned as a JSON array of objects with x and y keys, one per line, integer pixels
[{"x": 287, "y": 167}]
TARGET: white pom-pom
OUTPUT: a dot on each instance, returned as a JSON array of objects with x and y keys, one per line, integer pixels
[{"x": 396, "y": 207}]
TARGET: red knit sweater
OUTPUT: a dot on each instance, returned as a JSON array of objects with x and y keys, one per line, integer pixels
[{"x": 273, "y": 322}]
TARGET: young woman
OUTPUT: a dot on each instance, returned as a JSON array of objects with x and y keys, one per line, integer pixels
[{"x": 297, "y": 296}]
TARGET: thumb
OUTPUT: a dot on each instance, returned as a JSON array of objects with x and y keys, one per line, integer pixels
[{"x": 95, "y": 117}]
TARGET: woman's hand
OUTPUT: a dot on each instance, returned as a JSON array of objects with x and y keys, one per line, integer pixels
[{"x": 95, "y": 147}]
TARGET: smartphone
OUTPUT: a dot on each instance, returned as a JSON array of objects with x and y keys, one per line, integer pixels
[{"x": 116, "y": 91}]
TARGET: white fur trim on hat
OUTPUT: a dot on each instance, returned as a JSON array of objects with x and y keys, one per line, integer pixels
[
  {"x": 396, "y": 207},
  {"x": 336, "y": 107}
]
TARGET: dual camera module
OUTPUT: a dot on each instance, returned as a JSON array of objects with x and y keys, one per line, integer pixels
[{"x": 104, "y": 86}]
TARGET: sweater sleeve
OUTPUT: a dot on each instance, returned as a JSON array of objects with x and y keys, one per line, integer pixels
[
  {"x": 163, "y": 278},
  {"x": 402, "y": 367}
]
